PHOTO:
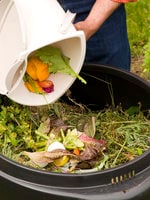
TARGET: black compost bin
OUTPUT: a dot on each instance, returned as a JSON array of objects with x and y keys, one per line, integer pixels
[{"x": 128, "y": 181}]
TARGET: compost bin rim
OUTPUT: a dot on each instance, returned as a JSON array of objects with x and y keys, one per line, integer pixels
[
  {"x": 108, "y": 176},
  {"x": 112, "y": 70}
]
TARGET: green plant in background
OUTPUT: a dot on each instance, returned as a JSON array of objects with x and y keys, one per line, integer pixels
[
  {"x": 146, "y": 63},
  {"x": 138, "y": 22}
]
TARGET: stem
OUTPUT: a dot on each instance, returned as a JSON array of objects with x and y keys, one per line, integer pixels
[
  {"x": 41, "y": 135},
  {"x": 121, "y": 145},
  {"x": 115, "y": 160}
]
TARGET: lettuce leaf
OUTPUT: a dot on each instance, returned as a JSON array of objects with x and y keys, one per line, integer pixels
[
  {"x": 57, "y": 61},
  {"x": 71, "y": 140}
]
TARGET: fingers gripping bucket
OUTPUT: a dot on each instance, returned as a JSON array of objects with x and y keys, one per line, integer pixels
[{"x": 26, "y": 26}]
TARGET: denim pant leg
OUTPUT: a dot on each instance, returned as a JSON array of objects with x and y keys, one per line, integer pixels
[{"x": 109, "y": 45}]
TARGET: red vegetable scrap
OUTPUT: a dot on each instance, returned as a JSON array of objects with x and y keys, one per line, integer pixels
[
  {"x": 85, "y": 138},
  {"x": 47, "y": 86}
]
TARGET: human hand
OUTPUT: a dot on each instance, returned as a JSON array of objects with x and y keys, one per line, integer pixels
[
  {"x": 86, "y": 28},
  {"x": 100, "y": 11}
]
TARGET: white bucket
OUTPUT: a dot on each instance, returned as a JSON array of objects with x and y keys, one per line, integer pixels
[{"x": 25, "y": 26}]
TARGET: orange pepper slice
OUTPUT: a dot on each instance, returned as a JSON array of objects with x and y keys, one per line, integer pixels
[
  {"x": 76, "y": 151},
  {"x": 37, "y": 69}
]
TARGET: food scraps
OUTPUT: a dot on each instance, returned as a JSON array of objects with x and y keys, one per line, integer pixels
[{"x": 41, "y": 64}]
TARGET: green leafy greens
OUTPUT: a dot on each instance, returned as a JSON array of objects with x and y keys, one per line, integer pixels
[
  {"x": 71, "y": 140},
  {"x": 57, "y": 61}
]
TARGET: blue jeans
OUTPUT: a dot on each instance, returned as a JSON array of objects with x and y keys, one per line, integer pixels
[{"x": 109, "y": 45}]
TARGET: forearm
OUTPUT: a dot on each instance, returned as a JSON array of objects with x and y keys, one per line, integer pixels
[{"x": 101, "y": 10}]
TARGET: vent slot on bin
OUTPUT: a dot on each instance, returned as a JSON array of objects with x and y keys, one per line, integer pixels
[{"x": 123, "y": 177}]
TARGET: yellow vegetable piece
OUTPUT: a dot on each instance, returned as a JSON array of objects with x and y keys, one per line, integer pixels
[
  {"x": 34, "y": 87},
  {"x": 60, "y": 162},
  {"x": 31, "y": 69},
  {"x": 37, "y": 69}
]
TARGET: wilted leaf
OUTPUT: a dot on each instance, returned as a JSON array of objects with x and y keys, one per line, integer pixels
[{"x": 90, "y": 127}]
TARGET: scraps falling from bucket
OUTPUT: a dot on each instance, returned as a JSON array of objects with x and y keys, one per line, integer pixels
[{"x": 23, "y": 31}]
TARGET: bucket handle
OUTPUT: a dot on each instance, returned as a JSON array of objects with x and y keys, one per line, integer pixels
[{"x": 16, "y": 73}]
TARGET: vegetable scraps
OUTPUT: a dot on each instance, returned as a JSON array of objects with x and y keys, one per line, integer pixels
[
  {"x": 44, "y": 62},
  {"x": 36, "y": 77}
]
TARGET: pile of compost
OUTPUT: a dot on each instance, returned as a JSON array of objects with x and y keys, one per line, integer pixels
[{"x": 72, "y": 138}]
